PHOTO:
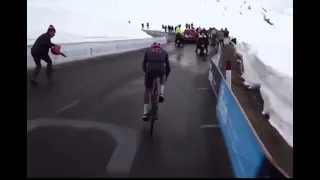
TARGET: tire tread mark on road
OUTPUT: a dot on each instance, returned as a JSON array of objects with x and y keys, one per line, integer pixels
[
  {"x": 100, "y": 92},
  {"x": 123, "y": 156}
]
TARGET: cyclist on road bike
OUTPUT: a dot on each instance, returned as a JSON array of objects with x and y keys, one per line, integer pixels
[{"x": 155, "y": 64}]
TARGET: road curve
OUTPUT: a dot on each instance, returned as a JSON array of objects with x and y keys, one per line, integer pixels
[{"x": 88, "y": 122}]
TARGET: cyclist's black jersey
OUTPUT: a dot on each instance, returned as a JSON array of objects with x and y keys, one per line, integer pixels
[{"x": 156, "y": 59}]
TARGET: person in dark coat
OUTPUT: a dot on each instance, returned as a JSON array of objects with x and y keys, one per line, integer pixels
[
  {"x": 147, "y": 25},
  {"x": 40, "y": 50},
  {"x": 226, "y": 33},
  {"x": 220, "y": 35}
]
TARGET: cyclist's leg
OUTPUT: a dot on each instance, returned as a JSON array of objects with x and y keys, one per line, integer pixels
[
  {"x": 148, "y": 82},
  {"x": 162, "y": 83}
]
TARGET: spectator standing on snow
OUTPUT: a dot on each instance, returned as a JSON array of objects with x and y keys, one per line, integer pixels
[
  {"x": 142, "y": 26},
  {"x": 40, "y": 50},
  {"x": 162, "y": 26},
  {"x": 213, "y": 35},
  {"x": 220, "y": 35},
  {"x": 226, "y": 32},
  {"x": 170, "y": 29},
  {"x": 147, "y": 25},
  {"x": 198, "y": 29},
  {"x": 165, "y": 28}
]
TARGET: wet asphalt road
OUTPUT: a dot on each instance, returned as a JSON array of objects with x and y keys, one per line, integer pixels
[{"x": 88, "y": 122}]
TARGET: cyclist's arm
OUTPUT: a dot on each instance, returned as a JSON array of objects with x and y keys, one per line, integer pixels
[
  {"x": 168, "y": 68},
  {"x": 144, "y": 63}
]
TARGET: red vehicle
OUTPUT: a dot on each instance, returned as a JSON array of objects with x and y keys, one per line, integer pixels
[{"x": 190, "y": 35}]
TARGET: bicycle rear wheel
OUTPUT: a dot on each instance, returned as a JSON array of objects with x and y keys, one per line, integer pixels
[
  {"x": 154, "y": 105},
  {"x": 153, "y": 116}
]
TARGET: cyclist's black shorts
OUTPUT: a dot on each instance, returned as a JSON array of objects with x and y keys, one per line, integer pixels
[{"x": 153, "y": 71}]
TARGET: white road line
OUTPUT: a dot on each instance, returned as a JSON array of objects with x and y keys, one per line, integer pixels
[
  {"x": 210, "y": 126},
  {"x": 122, "y": 157},
  {"x": 74, "y": 103},
  {"x": 203, "y": 89}
]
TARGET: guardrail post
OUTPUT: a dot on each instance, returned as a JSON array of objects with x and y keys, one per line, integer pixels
[{"x": 228, "y": 73}]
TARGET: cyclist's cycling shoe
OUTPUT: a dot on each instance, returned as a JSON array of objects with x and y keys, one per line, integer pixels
[
  {"x": 145, "y": 117},
  {"x": 161, "y": 98}
]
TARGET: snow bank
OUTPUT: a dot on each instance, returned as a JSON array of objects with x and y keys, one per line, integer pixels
[
  {"x": 276, "y": 90},
  {"x": 268, "y": 61},
  {"x": 267, "y": 55},
  {"x": 77, "y": 21},
  {"x": 84, "y": 51}
]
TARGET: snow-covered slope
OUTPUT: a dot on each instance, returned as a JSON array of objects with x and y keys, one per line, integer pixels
[
  {"x": 78, "y": 21},
  {"x": 268, "y": 61},
  {"x": 268, "y": 54}
]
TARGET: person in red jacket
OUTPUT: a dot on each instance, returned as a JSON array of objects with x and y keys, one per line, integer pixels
[{"x": 40, "y": 51}]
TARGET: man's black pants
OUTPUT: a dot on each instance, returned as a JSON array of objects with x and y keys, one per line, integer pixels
[
  {"x": 221, "y": 42},
  {"x": 37, "y": 60}
]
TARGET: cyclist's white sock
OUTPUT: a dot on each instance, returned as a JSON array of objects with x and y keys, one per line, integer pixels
[
  {"x": 161, "y": 89},
  {"x": 145, "y": 108}
]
